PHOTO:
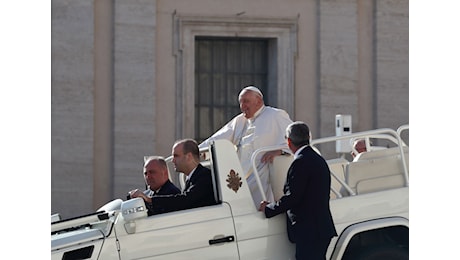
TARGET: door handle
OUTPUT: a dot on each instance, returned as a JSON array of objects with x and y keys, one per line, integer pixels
[{"x": 221, "y": 239}]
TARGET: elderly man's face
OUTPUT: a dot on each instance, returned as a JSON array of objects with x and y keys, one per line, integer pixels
[
  {"x": 250, "y": 102},
  {"x": 360, "y": 147},
  {"x": 155, "y": 175}
]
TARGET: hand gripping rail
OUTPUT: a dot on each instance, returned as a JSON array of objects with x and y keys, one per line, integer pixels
[{"x": 254, "y": 165}]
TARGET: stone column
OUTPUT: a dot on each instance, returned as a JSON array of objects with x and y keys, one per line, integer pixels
[
  {"x": 103, "y": 103},
  {"x": 366, "y": 65}
]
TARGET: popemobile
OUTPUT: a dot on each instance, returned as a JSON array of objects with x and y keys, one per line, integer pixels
[{"x": 369, "y": 204}]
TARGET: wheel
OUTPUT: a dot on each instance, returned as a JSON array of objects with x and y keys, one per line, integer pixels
[{"x": 384, "y": 253}]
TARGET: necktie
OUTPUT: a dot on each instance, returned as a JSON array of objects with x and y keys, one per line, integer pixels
[{"x": 187, "y": 184}]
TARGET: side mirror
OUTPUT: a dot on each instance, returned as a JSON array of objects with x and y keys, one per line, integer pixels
[
  {"x": 111, "y": 206},
  {"x": 131, "y": 210}
]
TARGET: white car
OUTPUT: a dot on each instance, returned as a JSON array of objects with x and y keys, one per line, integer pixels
[{"x": 369, "y": 204}]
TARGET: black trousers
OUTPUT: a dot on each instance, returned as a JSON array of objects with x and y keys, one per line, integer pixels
[{"x": 311, "y": 248}]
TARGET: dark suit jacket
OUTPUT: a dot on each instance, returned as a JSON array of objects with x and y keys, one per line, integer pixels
[
  {"x": 168, "y": 188},
  {"x": 198, "y": 193},
  {"x": 306, "y": 198}
]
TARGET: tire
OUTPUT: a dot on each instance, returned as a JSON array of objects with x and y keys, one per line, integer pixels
[{"x": 384, "y": 253}]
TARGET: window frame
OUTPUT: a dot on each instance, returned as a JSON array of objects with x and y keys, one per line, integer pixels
[
  {"x": 282, "y": 35},
  {"x": 211, "y": 113}
]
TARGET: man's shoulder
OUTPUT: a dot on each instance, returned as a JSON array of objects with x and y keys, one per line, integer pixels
[
  {"x": 309, "y": 152},
  {"x": 273, "y": 111},
  {"x": 200, "y": 168},
  {"x": 238, "y": 117},
  {"x": 304, "y": 155},
  {"x": 202, "y": 174},
  {"x": 168, "y": 189},
  {"x": 169, "y": 186},
  {"x": 311, "y": 157}
]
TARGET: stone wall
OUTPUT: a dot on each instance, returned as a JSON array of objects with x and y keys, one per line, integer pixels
[
  {"x": 71, "y": 107},
  {"x": 326, "y": 81},
  {"x": 134, "y": 97},
  {"x": 392, "y": 69}
]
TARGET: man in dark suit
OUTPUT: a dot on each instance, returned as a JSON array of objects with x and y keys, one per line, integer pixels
[
  {"x": 198, "y": 191},
  {"x": 306, "y": 197},
  {"x": 158, "y": 183}
]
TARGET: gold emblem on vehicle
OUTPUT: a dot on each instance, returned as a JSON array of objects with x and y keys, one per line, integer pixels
[{"x": 234, "y": 181}]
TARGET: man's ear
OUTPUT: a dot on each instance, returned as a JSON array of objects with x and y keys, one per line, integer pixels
[
  {"x": 289, "y": 142},
  {"x": 189, "y": 156}
]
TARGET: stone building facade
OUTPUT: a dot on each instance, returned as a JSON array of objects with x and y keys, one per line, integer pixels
[{"x": 123, "y": 83}]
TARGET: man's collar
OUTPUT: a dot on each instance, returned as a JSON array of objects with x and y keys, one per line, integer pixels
[
  {"x": 299, "y": 151},
  {"x": 256, "y": 114},
  {"x": 191, "y": 173}
]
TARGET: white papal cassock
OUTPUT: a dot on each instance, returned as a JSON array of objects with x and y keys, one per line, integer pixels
[{"x": 266, "y": 128}]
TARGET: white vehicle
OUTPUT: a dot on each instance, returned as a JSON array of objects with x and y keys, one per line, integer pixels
[{"x": 369, "y": 205}]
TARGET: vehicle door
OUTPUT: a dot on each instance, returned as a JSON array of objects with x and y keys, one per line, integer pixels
[{"x": 199, "y": 233}]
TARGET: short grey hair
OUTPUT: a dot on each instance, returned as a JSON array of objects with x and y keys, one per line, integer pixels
[
  {"x": 299, "y": 133},
  {"x": 160, "y": 159}
]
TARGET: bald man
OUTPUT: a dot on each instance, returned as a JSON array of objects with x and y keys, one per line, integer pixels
[{"x": 158, "y": 183}]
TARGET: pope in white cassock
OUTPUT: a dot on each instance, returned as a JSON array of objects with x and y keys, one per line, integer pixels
[{"x": 256, "y": 127}]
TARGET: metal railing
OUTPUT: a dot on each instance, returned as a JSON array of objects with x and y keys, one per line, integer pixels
[
  {"x": 385, "y": 133},
  {"x": 254, "y": 164}
]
